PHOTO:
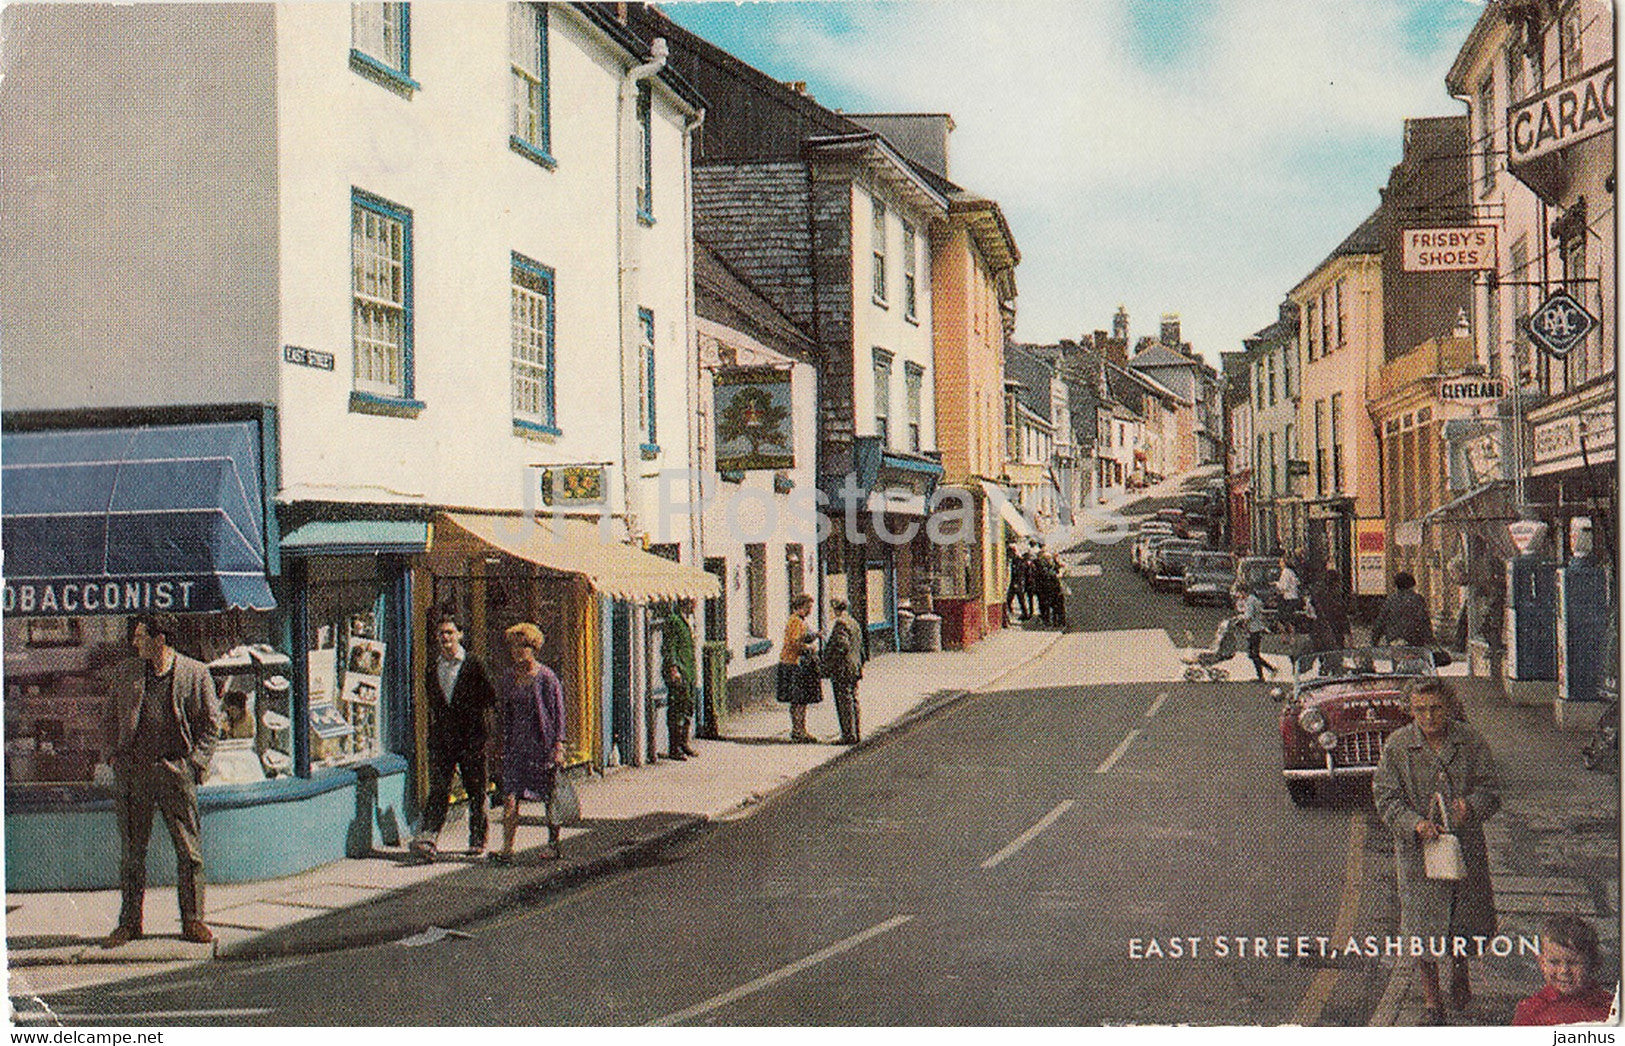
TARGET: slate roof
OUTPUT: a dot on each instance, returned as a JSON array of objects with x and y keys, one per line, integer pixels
[{"x": 723, "y": 295}]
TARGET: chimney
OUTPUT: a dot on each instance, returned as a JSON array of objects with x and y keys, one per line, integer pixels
[{"x": 799, "y": 87}]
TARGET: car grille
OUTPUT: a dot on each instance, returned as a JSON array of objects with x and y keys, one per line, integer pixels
[{"x": 1360, "y": 749}]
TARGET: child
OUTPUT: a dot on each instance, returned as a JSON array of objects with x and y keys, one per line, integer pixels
[{"x": 1568, "y": 954}]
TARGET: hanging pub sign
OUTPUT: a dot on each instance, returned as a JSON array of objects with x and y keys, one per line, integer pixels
[
  {"x": 573, "y": 486},
  {"x": 753, "y": 419}
]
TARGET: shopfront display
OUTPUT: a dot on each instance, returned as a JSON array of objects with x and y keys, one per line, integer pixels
[{"x": 345, "y": 652}]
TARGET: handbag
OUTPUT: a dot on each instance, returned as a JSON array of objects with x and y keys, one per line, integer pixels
[{"x": 1441, "y": 856}]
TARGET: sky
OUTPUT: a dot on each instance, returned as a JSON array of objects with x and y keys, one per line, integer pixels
[{"x": 1198, "y": 157}]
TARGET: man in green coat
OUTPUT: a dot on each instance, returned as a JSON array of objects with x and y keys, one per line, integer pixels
[{"x": 677, "y": 668}]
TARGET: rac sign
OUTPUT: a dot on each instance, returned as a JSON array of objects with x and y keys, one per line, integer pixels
[{"x": 1568, "y": 113}]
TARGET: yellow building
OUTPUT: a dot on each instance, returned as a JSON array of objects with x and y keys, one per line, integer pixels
[
  {"x": 973, "y": 285},
  {"x": 1340, "y": 347}
]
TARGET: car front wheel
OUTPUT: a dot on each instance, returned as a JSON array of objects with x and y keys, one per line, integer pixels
[{"x": 1302, "y": 792}]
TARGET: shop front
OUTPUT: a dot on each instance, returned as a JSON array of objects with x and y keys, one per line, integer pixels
[
  {"x": 597, "y": 600},
  {"x": 102, "y": 524}
]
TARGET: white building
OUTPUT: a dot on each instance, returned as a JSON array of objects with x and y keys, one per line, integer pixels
[{"x": 433, "y": 262}]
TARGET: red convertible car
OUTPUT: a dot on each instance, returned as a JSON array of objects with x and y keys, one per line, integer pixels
[{"x": 1343, "y": 706}]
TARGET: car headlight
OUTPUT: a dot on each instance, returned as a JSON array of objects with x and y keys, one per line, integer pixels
[
  {"x": 1311, "y": 720},
  {"x": 1328, "y": 740}
]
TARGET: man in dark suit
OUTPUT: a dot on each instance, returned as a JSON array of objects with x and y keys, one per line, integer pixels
[
  {"x": 166, "y": 724},
  {"x": 462, "y": 704}
]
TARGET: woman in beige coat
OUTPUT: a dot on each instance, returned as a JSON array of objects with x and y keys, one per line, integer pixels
[{"x": 1439, "y": 753}]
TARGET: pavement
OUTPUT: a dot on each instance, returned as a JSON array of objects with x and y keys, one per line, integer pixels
[
  {"x": 627, "y": 816},
  {"x": 1554, "y": 849}
]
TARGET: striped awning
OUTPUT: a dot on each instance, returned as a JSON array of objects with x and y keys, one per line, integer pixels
[{"x": 574, "y": 546}]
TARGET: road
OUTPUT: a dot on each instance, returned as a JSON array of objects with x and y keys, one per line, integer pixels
[{"x": 1043, "y": 853}]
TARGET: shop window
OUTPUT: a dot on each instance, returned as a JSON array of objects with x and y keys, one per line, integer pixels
[
  {"x": 756, "y": 590},
  {"x": 345, "y": 653},
  {"x": 62, "y": 673}
]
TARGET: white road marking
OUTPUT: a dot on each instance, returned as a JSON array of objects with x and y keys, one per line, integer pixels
[
  {"x": 162, "y": 1016},
  {"x": 1089, "y": 570},
  {"x": 1156, "y": 704},
  {"x": 1117, "y": 753},
  {"x": 780, "y": 974},
  {"x": 1029, "y": 835}
]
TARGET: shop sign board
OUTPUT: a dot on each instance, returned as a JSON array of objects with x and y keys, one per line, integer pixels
[
  {"x": 1371, "y": 557},
  {"x": 1297, "y": 468},
  {"x": 1560, "y": 324},
  {"x": 71, "y": 596},
  {"x": 1560, "y": 438},
  {"x": 1471, "y": 390},
  {"x": 1466, "y": 248},
  {"x": 754, "y": 421},
  {"x": 1569, "y": 113}
]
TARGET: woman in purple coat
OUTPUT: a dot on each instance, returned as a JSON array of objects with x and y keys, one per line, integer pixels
[{"x": 532, "y": 709}]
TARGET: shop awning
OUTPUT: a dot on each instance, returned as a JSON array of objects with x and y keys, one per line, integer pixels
[
  {"x": 1009, "y": 512},
  {"x": 127, "y": 520},
  {"x": 357, "y": 536},
  {"x": 573, "y": 546}
]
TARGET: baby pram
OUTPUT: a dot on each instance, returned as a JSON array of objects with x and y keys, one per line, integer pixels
[{"x": 1227, "y": 643}]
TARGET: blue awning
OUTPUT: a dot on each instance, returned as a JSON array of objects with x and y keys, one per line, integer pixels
[
  {"x": 356, "y": 536},
  {"x": 120, "y": 521}
]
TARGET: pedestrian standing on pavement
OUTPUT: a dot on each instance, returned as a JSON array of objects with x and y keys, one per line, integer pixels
[
  {"x": 532, "y": 737},
  {"x": 1329, "y": 616},
  {"x": 461, "y": 706},
  {"x": 1057, "y": 591},
  {"x": 166, "y": 723},
  {"x": 794, "y": 686},
  {"x": 1438, "y": 754},
  {"x": 677, "y": 665},
  {"x": 1568, "y": 960},
  {"x": 1015, "y": 595},
  {"x": 1252, "y": 607},
  {"x": 1403, "y": 616},
  {"x": 1290, "y": 590},
  {"x": 843, "y": 663},
  {"x": 1038, "y": 586}
]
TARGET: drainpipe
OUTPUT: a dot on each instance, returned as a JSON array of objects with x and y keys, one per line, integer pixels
[
  {"x": 696, "y": 526},
  {"x": 630, "y": 258}
]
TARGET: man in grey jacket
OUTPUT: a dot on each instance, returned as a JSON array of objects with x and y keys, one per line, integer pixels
[
  {"x": 164, "y": 734},
  {"x": 843, "y": 663}
]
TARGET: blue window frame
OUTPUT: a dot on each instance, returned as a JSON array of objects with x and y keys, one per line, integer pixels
[
  {"x": 531, "y": 132},
  {"x": 533, "y": 375},
  {"x": 646, "y": 384},
  {"x": 646, "y": 207},
  {"x": 381, "y": 305},
  {"x": 381, "y": 43}
]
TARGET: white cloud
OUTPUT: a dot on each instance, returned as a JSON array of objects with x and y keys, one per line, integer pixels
[{"x": 1207, "y": 185}]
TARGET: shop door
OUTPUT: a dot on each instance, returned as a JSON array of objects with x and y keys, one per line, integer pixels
[{"x": 620, "y": 682}]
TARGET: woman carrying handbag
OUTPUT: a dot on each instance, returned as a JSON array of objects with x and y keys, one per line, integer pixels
[
  {"x": 798, "y": 681},
  {"x": 1436, "y": 781}
]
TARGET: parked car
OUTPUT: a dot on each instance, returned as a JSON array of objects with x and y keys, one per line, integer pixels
[
  {"x": 1148, "y": 558},
  {"x": 1343, "y": 706},
  {"x": 1208, "y": 577},
  {"x": 1150, "y": 531},
  {"x": 1170, "y": 561}
]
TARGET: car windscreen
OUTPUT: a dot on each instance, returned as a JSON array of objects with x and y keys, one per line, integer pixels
[{"x": 1363, "y": 661}]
